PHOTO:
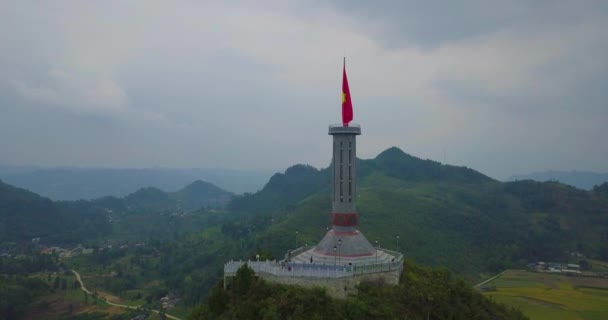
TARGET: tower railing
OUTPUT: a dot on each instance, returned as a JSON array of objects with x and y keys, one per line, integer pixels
[{"x": 341, "y": 125}]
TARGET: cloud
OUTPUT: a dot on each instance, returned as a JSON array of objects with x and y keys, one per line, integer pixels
[{"x": 199, "y": 84}]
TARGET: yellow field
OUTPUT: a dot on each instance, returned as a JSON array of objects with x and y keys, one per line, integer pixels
[{"x": 548, "y": 296}]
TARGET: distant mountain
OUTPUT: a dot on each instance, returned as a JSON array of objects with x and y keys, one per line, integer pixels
[
  {"x": 75, "y": 183},
  {"x": 201, "y": 194},
  {"x": 580, "y": 179},
  {"x": 153, "y": 200},
  {"x": 25, "y": 215}
]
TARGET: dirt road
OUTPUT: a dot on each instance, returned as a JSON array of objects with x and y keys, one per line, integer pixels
[{"x": 83, "y": 288}]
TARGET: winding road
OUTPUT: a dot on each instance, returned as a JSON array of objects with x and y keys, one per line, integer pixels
[{"x": 83, "y": 288}]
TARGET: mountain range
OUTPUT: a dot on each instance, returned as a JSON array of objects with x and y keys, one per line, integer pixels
[
  {"x": 92, "y": 183},
  {"x": 25, "y": 215},
  {"x": 580, "y": 179},
  {"x": 436, "y": 214}
]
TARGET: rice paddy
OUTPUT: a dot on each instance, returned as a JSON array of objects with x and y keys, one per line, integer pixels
[{"x": 550, "y": 296}]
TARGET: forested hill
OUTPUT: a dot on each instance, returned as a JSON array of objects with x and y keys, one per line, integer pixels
[
  {"x": 25, "y": 215},
  {"x": 436, "y": 214},
  {"x": 421, "y": 294},
  {"x": 283, "y": 190},
  {"x": 395, "y": 163},
  {"x": 193, "y": 196}
]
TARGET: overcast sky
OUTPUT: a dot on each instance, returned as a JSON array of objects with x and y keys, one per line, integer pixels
[{"x": 503, "y": 87}]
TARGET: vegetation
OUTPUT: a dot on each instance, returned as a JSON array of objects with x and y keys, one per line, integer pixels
[
  {"x": 422, "y": 294},
  {"x": 17, "y": 292},
  {"x": 25, "y": 215}
]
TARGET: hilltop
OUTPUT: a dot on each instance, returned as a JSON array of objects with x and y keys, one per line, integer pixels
[
  {"x": 437, "y": 214},
  {"x": 421, "y": 294}
]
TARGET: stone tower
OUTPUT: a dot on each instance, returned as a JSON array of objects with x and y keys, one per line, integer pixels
[{"x": 344, "y": 239}]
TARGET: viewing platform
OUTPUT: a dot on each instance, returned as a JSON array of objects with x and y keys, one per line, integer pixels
[{"x": 340, "y": 275}]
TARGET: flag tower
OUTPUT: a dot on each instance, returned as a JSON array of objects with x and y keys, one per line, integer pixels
[
  {"x": 343, "y": 240},
  {"x": 344, "y": 257}
]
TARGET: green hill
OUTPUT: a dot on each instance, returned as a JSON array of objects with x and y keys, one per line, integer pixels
[
  {"x": 25, "y": 215},
  {"x": 422, "y": 294},
  {"x": 201, "y": 194},
  {"x": 437, "y": 214},
  {"x": 192, "y": 197}
]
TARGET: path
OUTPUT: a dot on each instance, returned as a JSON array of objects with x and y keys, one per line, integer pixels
[
  {"x": 115, "y": 304},
  {"x": 494, "y": 277}
]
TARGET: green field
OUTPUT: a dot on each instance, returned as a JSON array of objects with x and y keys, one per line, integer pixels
[{"x": 549, "y": 296}]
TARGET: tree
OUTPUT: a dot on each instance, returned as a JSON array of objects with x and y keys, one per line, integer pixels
[
  {"x": 56, "y": 282},
  {"x": 243, "y": 280}
]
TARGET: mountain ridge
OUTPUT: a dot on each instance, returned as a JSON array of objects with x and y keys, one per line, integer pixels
[
  {"x": 93, "y": 183},
  {"x": 580, "y": 179},
  {"x": 25, "y": 215}
]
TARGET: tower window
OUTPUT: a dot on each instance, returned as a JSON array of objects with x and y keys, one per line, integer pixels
[
  {"x": 334, "y": 173},
  {"x": 341, "y": 172},
  {"x": 350, "y": 190},
  {"x": 350, "y": 174}
]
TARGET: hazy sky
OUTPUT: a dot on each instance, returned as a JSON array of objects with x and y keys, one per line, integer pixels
[{"x": 503, "y": 87}]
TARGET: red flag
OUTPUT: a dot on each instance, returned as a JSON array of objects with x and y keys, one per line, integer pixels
[{"x": 347, "y": 105}]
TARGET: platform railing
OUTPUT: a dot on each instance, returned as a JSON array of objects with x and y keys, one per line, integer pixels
[{"x": 311, "y": 270}]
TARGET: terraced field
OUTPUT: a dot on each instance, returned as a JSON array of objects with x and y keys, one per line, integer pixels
[{"x": 549, "y": 296}]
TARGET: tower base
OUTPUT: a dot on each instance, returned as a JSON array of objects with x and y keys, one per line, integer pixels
[{"x": 347, "y": 243}]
